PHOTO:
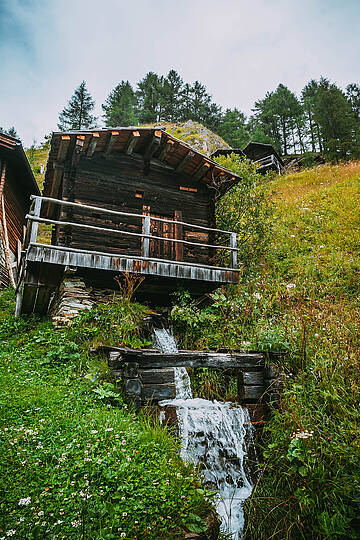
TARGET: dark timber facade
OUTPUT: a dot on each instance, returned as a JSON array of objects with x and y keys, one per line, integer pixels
[{"x": 128, "y": 199}]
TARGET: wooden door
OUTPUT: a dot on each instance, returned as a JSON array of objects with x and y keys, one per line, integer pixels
[{"x": 161, "y": 249}]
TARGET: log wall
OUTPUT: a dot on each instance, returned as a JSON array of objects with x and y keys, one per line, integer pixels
[{"x": 119, "y": 183}]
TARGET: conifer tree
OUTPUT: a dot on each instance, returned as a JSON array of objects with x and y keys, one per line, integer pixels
[
  {"x": 172, "y": 96},
  {"x": 233, "y": 128},
  {"x": 150, "y": 97},
  {"x": 76, "y": 115},
  {"x": 120, "y": 106}
]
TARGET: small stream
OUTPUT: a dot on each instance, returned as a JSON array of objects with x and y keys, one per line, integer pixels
[{"x": 212, "y": 434}]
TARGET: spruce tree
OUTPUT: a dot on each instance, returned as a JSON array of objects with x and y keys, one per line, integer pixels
[
  {"x": 233, "y": 128},
  {"x": 76, "y": 115},
  {"x": 172, "y": 96},
  {"x": 150, "y": 98},
  {"x": 120, "y": 106}
]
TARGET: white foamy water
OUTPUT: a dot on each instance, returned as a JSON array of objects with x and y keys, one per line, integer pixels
[{"x": 212, "y": 434}]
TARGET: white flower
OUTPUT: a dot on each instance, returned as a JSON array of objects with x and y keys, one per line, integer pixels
[
  {"x": 41, "y": 513},
  {"x": 11, "y": 532},
  {"x": 109, "y": 429},
  {"x": 122, "y": 535},
  {"x": 76, "y": 523},
  {"x": 257, "y": 296},
  {"x": 94, "y": 431},
  {"x": 25, "y": 501}
]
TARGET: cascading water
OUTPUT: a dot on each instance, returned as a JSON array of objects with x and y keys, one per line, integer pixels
[{"x": 213, "y": 434}]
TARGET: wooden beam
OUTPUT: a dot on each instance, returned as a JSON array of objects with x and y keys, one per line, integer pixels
[
  {"x": 92, "y": 144},
  {"x": 166, "y": 148},
  {"x": 153, "y": 145},
  {"x": 202, "y": 171},
  {"x": 188, "y": 157},
  {"x": 111, "y": 142},
  {"x": 63, "y": 148},
  {"x": 131, "y": 142}
]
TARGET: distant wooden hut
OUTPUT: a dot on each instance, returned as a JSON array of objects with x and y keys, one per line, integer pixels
[
  {"x": 264, "y": 155},
  {"x": 129, "y": 199},
  {"x": 16, "y": 185}
]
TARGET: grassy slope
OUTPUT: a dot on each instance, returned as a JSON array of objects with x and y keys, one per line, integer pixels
[
  {"x": 75, "y": 462},
  {"x": 310, "y": 482}
]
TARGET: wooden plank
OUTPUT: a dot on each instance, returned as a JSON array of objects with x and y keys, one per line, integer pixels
[
  {"x": 150, "y": 359},
  {"x": 131, "y": 142},
  {"x": 233, "y": 252},
  {"x": 42, "y": 300},
  {"x": 157, "y": 376},
  {"x": 63, "y": 148},
  {"x": 179, "y": 235},
  {"x": 145, "y": 251},
  {"x": 28, "y": 298}
]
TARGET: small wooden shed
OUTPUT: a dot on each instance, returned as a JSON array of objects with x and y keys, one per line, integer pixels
[
  {"x": 17, "y": 183},
  {"x": 264, "y": 155},
  {"x": 130, "y": 199}
]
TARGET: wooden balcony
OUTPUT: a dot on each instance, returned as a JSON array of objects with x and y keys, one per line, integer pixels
[{"x": 42, "y": 265}]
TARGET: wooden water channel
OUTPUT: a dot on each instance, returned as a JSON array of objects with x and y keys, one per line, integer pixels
[{"x": 148, "y": 375}]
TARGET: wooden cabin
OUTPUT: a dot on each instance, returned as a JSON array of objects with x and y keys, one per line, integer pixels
[
  {"x": 17, "y": 183},
  {"x": 129, "y": 199},
  {"x": 264, "y": 155}
]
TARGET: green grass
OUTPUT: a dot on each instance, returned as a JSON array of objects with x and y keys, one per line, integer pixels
[
  {"x": 75, "y": 461},
  {"x": 303, "y": 298}
]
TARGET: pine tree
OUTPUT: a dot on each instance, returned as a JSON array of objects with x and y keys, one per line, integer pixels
[
  {"x": 76, "y": 115},
  {"x": 150, "y": 97},
  {"x": 333, "y": 113},
  {"x": 172, "y": 96},
  {"x": 308, "y": 99},
  {"x": 233, "y": 128},
  {"x": 120, "y": 106}
]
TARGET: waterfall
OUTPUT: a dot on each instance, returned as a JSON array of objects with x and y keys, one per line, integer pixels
[{"x": 212, "y": 434}]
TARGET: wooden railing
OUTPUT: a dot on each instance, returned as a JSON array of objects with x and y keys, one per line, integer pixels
[
  {"x": 268, "y": 161},
  {"x": 34, "y": 218}
]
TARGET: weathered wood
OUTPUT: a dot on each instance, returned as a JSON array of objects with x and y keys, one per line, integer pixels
[
  {"x": 158, "y": 391},
  {"x": 146, "y": 235},
  {"x": 42, "y": 300},
  {"x": 133, "y": 386},
  {"x": 5, "y": 242},
  {"x": 188, "y": 157},
  {"x": 254, "y": 378},
  {"x": 233, "y": 252},
  {"x": 202, "y": 171},
  {"x": 131, "y": 142},
  {"x": 167, "y": 147},
  {"x": 28, "y": 298},
  {"x": 111, "y": 143},
  {"x": 92, "y": 145},
  {"x": 153, "y": 145},
  {"x": 179, "y": 235},
  {"x": 63, "y": 148},
  {"x": 157, "y": 376},
  {"x": 34, "y": 225},
  {"x": 150, "y": 359}
]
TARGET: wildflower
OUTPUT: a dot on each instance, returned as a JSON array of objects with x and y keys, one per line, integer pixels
[
  {"x": 76, "y": 523},
  {"x": 25, "y": 501},
  {"x": 122, "y": 535},
  {"x": 109, "y": 429},
  {"x": 94, "y": 431},
  {"x": 124, "y": 514},
  {"x": 290, "y": 286},
  {"x": 41, "y": 513},
  {"x": 11, "y": 532},
  {"x": 257, "y": 296},
  {"x": 123, "y": 441}
]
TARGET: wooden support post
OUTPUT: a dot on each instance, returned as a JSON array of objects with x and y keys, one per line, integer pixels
[
  {"x": 145, "y": 252},
  {"x": 131, "y": 142},
  {"x": 133, "y": 385},
  {"x": 188, "y": 157},
  {"x": 179, "y": 247},
  {"x": 92, "y": 144},
  {"x": 233, "y": 254},
  {"x": 34, "y": 224},
  {"x": 111, "y": 142},
  {"x": 3, "y": 228},
  {"x": 166, "y": 148},
  {"x": 202, "y": 171},
  {"x": 153, "y": 145}
]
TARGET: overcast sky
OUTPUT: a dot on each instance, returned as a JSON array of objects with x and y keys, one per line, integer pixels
[{"x": 239, "y": 49}]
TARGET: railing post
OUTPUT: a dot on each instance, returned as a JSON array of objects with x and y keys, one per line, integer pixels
[
  {"x": 233, "y": 254},
  {"x": 35, "y": 224},
  {"x": 146, "y": 241}
]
